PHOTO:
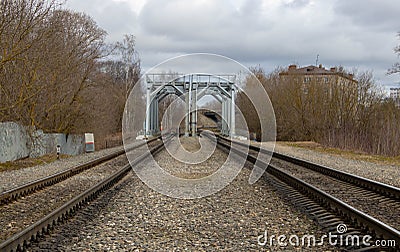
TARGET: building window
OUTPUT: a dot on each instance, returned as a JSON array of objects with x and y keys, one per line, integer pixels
[
  {"x": 305, "y": 89},
  {"x": 307, "y": 79},
  {"x": 326, "y": 79},
  {"x": 326, "y": 90}
]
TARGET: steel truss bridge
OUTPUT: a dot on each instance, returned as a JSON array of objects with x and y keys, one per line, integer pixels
[{"x": 190, "y": 88}]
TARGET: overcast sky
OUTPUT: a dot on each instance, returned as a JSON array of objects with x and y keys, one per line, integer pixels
[{"x": 352, "y": 33}]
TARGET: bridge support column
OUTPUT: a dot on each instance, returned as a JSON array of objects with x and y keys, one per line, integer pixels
[
  {"x": 228, "y": 117},
  {"x": 187, "y": 112},
  {"x": 154, "y": 128},
  {"x": 148, "y": 112},
  {"x": 224, "y": 123},
  {"x": 233, "y": 113},
  {"x": 194, "y": 112},
  {"x": 157, "y": 120},
  {"x": 151, "y": 118},
  {"x": 222, "y": 117},
  {"x": 151, "y": 124}
]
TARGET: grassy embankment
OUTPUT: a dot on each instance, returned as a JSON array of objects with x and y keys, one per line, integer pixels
[
  {"x": 355, "y": 155},
  {"x": 28, "y": 162}
]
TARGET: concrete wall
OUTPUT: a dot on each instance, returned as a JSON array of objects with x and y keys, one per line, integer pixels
[
  {"x": 47, "y": 143},
  {"x": 15, "y": 143}
]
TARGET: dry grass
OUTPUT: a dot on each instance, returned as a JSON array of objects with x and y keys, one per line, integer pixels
[
  {"x": 29, "y": 162},
  {"x": 351, "y": 154}
]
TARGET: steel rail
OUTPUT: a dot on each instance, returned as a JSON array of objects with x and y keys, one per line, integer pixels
[
  {"x": 22, "y": 240},
  {"x": 30, "y": 187},
  {"x": 354, "y": 216}
]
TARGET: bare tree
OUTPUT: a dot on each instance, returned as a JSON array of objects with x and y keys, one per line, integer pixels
[
  {"x": 396, "y": 66},
  {"x": 76, "y": 47},
  {"x": 21, "y": 33},
  {"x": 340, "y": 114},
  {"x": 129, "y": 57},
  {"x": 20, "y": 26},
  {"x": 52, "y": 73},
  {"x": 47, "y": 58}
]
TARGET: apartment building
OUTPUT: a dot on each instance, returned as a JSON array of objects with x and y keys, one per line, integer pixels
[{"x": 319, "y": 75}]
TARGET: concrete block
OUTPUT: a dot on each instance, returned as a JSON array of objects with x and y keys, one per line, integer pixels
[{"x": 13, "y": 142}]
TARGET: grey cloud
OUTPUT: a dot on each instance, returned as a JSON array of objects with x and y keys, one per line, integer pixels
[
  {"x": 378, "y": 15},
  {"x": 115, "y": 17},
  {"x": 349, "y": 33},
  {"x": 298, "y": 3},
  {"x": 217, "y": 27},
  {"x": 188, "y": 21}
]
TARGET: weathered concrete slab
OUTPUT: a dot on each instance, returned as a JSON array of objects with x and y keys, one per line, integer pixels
[
  {"x": 13, "y": 142},
  {"x": 16, "y": 143}
]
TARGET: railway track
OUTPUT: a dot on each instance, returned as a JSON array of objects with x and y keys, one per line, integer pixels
[
  {"x": 26, "y": 189},
  {"x": 20, "y": 217},
  {"x": 138, "y": 218},
  {"x": 328, "y": 210},
  {"x": 333, "y": 196}
]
